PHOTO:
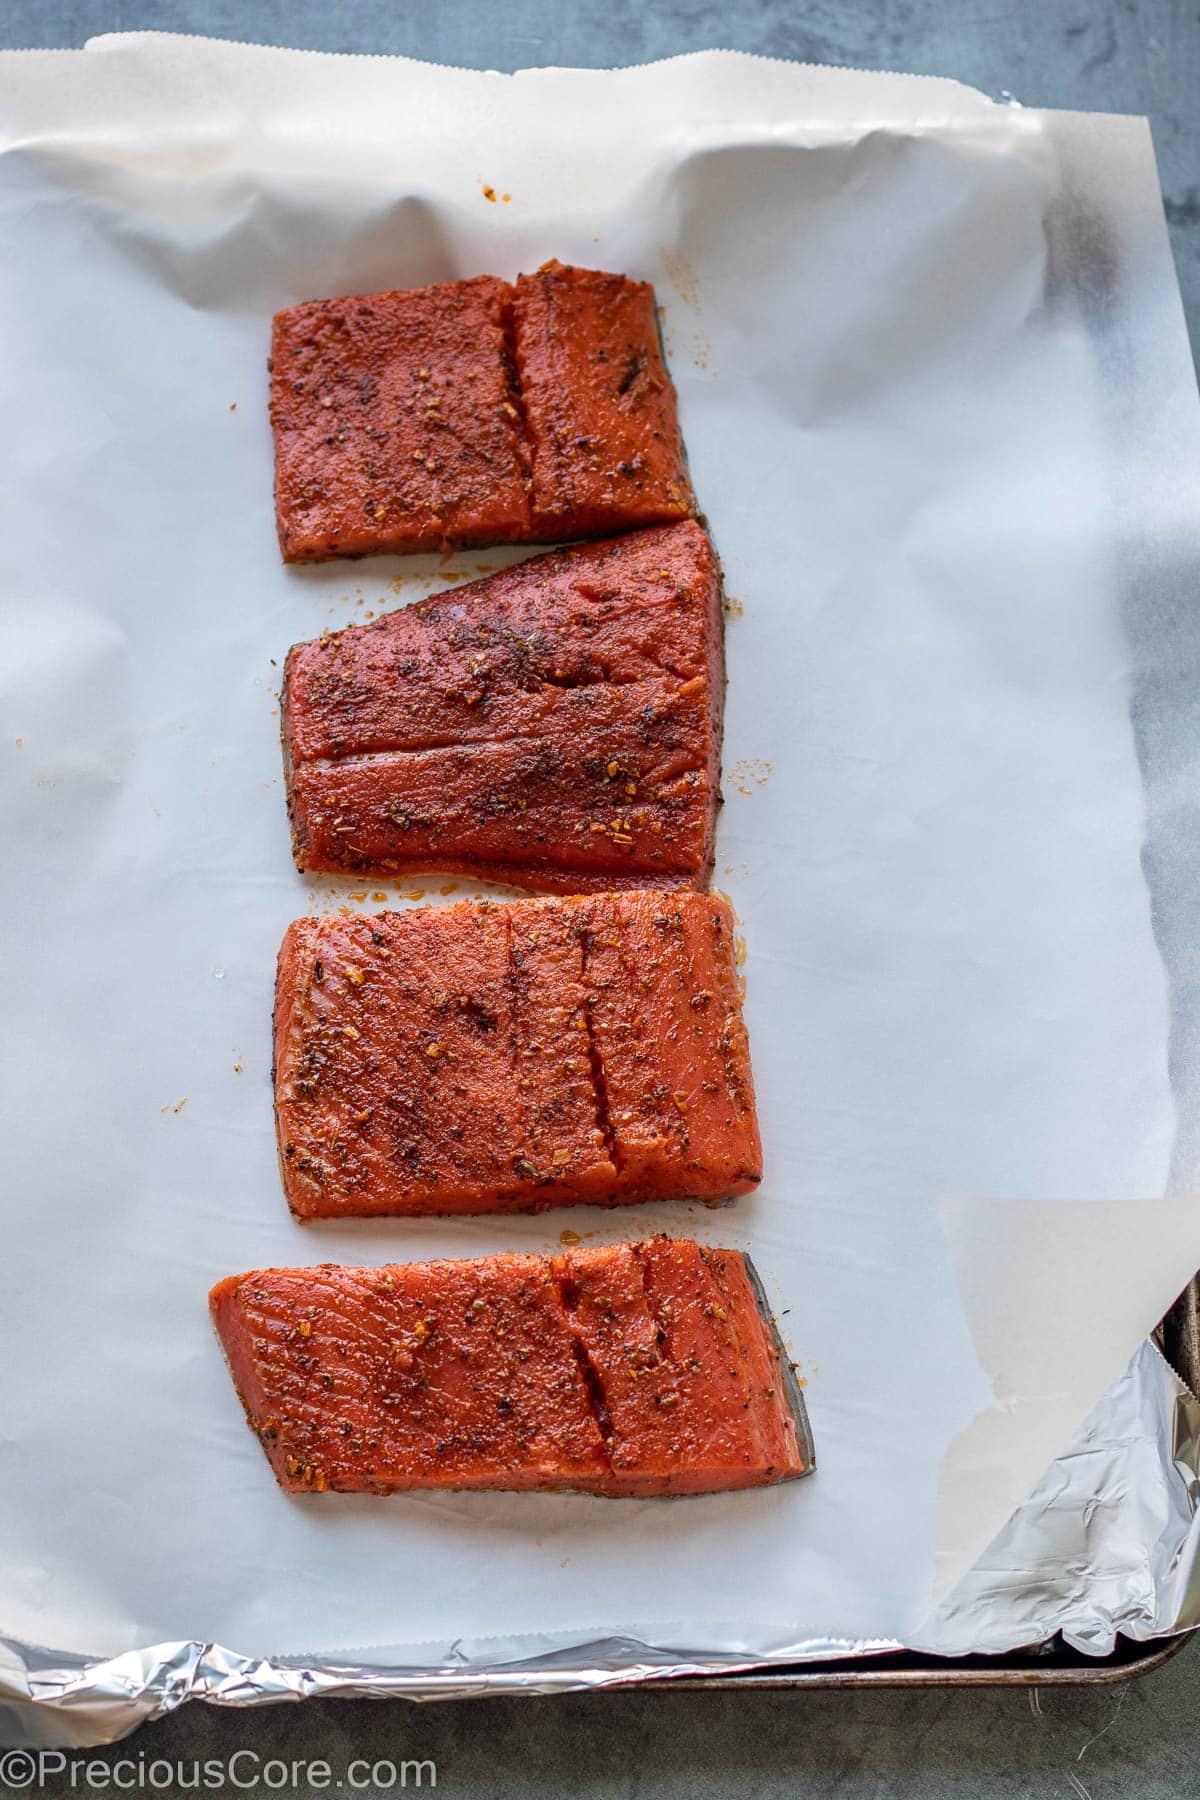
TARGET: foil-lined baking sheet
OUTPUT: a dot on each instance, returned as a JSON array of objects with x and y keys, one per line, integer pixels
[{"x": 940, "y": 414}]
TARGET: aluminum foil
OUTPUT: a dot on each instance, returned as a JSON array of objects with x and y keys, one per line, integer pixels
[
  {"x": 936, "y": 345},
  {"x": 1118, "y": 1511}
]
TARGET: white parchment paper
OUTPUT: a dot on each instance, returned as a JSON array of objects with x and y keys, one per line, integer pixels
[{"x": 936, "y": 396}]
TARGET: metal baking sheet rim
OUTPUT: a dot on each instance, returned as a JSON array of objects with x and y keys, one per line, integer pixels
[{"x": 99, "y": 1703}]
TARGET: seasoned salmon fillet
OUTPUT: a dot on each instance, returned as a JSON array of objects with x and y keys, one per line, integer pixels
[
  {"x": 499, "y": 1057},
  {"x": 472, "y": 412},
  {"x": 556, "y": 726},
  {"x": 598, "y": 404},
  {"x": 395, "y": 423},
  {"x": 632, "y": 1370}
]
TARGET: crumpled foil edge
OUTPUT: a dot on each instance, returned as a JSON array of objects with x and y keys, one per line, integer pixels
[{"x": 1119, "y": 1512}]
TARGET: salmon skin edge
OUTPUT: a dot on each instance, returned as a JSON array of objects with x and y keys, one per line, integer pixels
[{"x": 792, "y": 1391}]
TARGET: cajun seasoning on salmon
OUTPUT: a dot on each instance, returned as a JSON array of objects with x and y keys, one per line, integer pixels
[
  {"x": 395, "y": 423},
  {"x": 630, "y": 1370},
  {"x": 501, "y": 1057},
  {"x": 402, "y": 423},
  {"x": 598, "y": 403},
  {"x": 556, "y": 726}
]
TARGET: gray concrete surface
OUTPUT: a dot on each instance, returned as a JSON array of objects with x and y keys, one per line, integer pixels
[{"x": 1139, "y": 1740}]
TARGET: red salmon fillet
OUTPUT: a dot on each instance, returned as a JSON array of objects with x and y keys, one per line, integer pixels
[
  {"x": 499, "y": 1057},
  {"x": 400, "y": 422},
  {"x": 556, "y": 726},
  {"x": 395, "y": 423},
  {"x": 635, "y": 1370},
  {"x": 598, "y": 403}
]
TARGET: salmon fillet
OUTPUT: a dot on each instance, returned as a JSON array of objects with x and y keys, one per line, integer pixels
[
  {"x": 556, "y": 726},
  {"x": 400, "y": 418},
  {"x": 499, "y": 1057},
  {"x": 632, "y": 1370},
  {"x": 599, "y": 406},
  {"x": 395, "y": 423}
]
